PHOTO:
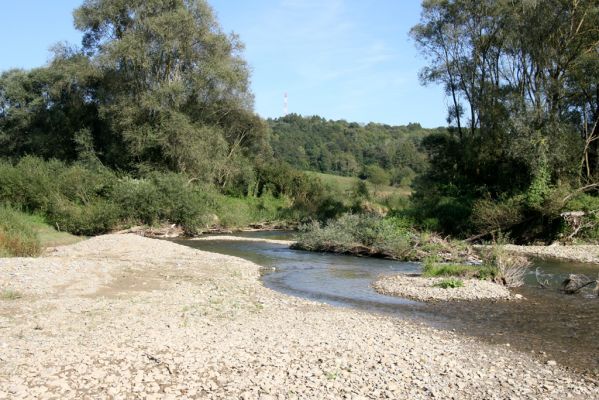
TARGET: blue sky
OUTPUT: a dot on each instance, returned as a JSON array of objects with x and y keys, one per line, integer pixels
[{"x": 341, "y": 59}]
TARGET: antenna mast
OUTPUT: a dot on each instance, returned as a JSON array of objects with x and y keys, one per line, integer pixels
[{"x": 285, "y": 105}]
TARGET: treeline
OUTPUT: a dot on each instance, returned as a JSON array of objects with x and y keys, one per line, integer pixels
[
  {"x": 156, "y": 85},
  {"x": 383, "y": 152},
  {"x": 523, "y": 147},
  {"x": 149, "y": 120}
]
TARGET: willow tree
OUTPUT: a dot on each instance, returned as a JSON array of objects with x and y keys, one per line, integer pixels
[{"x": 172, "y": 81}]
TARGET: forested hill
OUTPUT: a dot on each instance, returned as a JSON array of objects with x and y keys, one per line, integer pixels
[{"x": 348, "y": 148}]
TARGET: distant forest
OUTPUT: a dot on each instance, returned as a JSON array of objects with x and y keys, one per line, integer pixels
[{"x": 350, "y": 149}]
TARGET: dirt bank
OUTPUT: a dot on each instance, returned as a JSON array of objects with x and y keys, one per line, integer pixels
[{"x": 126, "y": 317}]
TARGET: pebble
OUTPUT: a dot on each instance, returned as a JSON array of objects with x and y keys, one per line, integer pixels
[{"x": 199, "y": 334}]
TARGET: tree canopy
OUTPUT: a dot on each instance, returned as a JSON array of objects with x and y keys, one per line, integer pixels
[
  {"x": 155, "y": 85},
  {"x": 522, "y": 81},
  {"x": 348, "y": 148}
]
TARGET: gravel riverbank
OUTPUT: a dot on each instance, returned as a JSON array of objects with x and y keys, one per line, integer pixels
[
  {"x": 577, "y": 253},
  {"x": 244, "y": 239},
  {"x": 126, "y": 317},
  {"x": 423, "y": 289}
]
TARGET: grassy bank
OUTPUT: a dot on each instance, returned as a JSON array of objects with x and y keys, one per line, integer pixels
[
  {"x": 17, "y": 236},
  {"x": 348, "y": 189},
  {"x": 23, "y": 235}
]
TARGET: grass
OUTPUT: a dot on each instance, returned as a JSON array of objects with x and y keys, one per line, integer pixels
[
  {"x": 450, "y": 283},
  {"x": 17, "y": 237},
  {"x": 8, "y": 294},
  {"x": 435, "y": 270},
  {"x": 23, "y": 235},
  {"x": 483, "y": 272},
  {"x": 49, "y": 236},
  {"x": 345, "y": 183}
]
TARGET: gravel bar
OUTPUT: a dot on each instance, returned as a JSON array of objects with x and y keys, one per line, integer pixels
[
  {"x": 577, "y": 253},
  {"x": 423, "y": 289},
  {"x": 127, "y": 317}
]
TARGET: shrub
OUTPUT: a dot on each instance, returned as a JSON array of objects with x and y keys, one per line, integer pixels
[
  {"x": 490, "y": 216},
  {"x": 589, "y": 223},
  {"x": 359, "y": 233},
  {"x": 510, "y": 269},
  {"x": 17, "y": 237},
  {"x": 450, "y": 283},
  {"x": 97, "y": 217}
]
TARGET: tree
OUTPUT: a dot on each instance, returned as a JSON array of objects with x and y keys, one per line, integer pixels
[
  {"x": 175, "y": 88},
  {"x": 522, "y": 82}
]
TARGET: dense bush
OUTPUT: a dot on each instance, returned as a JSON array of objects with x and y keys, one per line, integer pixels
[
  {"x": 589, "y": 223},
  {"x": 17, "y": 237},
  {"x": 367, "y": 234},
  {"x": 89, "y": 201}
]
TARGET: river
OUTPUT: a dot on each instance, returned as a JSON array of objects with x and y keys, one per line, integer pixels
[{"x": 548, "y": 323}]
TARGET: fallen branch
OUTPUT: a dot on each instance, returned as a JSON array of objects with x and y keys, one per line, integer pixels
[
  {"x": 580, "y": 190},
  {"x": 159, "y": 362}
]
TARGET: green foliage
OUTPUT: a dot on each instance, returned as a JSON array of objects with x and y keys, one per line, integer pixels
[
  {"x": 86, "y": 201},
  {"x": 450, "y": 283},
  {"x": 372, "y": 235},
  {"x": 434, "y": 269},
  {"x": 347, "y": 148},
  {"x": 360, "y": 234},
  {"x": 431, "y": 269},
  {"x": 589, "y": 222},
  {"x": 376, "y": 175},
  {"x": 515, "y": 142},
  {"x": 17, "y": 237},
  {"x": 491, "y": 216},
  {"x": 539, "y": 188},
  {"x": 237, "y": 212},
  {"x": 156, "y": 85}
]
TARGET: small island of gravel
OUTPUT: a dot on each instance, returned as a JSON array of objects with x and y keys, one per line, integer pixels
[{"x": 425, "y": 289}]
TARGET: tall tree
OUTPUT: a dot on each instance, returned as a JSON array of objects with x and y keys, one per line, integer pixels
[{"x": 172, "y": 80}]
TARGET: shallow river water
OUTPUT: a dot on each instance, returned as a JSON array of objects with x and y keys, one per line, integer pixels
[{"x": 548, "y": 323}]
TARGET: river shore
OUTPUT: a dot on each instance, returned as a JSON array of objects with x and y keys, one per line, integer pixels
[
  {"x": 127, "y": 317},
  {"x": 578, "y": 253},
  {"x": 424, "y": 289}
]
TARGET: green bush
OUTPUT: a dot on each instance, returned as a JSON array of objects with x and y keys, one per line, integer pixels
[
  {"x": 484, "y": 272},
  {"x": 357, "y": 233},
  {"x": 17, "y": 237},
  {"x": 97, "y": 217},
  {"x": 589, "y": 204},
  {"x": 450, "y": 283}
]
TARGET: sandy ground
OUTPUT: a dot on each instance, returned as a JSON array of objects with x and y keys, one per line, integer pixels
[
  {"x": 244, "y": 239},
  {"x": 424, "y": 289},
  {"x": 126, "y": 317}
]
